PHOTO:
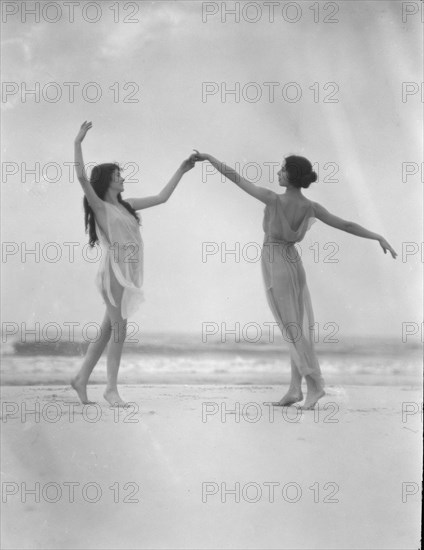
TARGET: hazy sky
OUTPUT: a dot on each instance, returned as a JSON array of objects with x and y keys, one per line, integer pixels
[{"x": 173, "y": 49}]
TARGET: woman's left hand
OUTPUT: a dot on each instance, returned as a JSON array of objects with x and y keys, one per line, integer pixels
[
  {"x": 386, "y": 247},
  {"x": 189, "y": 163}
]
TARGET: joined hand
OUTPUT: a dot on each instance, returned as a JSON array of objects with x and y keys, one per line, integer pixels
[
  {"x": 199, "y": 157},
  {"x": 189, "y": 163}
]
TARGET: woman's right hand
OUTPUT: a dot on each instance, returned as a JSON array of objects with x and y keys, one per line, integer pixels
[
  {"x": 85, "y": 126},
  {"x": 201, "y": 156},
  {"x": 386, "y": 247}
]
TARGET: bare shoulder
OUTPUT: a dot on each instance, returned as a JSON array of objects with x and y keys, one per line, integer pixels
[
  {"x": 327, "y": 217},
  {"x": 270, "y": 196},
  {"x": 322, "y": 213},
  {"x": 318, "y": 209}
]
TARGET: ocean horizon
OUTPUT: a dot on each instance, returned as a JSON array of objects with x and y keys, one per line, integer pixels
[{"x": 171, "y": 358}]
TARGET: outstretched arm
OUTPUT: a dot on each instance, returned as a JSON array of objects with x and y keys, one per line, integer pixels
[
  {"x": 260, "y": 193},
  {"x": 163, "y": 196},
  {"x": 94, "y": 201},
  {"x": 350, "y": 227}
]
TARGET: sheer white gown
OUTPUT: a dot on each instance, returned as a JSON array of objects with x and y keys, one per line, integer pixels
[
  {"x": 122, "y": 258},
  {"x": 285, "y": 284}
]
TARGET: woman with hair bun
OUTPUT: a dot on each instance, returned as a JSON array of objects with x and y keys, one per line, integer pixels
[{"x": 287, "y": 218}]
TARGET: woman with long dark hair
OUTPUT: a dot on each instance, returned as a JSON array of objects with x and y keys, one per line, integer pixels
[
  {"x": 287, "y": 218},
  {"x": 114, "y": 222}
]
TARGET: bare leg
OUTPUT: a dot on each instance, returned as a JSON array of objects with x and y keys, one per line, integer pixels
[
  {"x": 114, "y": 354},
  {"x": 315, "y": 392},
  {"x": 294, "y": 393},
  {"x": 93, "y": 354},
  {"x": 116, "y": 343}
]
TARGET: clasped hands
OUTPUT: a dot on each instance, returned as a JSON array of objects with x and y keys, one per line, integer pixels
[{"x": 189, "y": 163}]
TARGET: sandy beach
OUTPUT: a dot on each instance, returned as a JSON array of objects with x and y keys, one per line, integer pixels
[{"x": 211, "y": 467}]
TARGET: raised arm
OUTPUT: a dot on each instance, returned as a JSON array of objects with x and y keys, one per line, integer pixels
[
  {"x": 260, "y": 193},
  {"x": 94, "y": 201},
  {"x": 163, "y": 196},
  {"x": 350, "y": 227}
]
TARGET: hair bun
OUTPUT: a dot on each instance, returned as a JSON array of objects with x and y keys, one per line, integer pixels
[{"x": 307, "y": 179}]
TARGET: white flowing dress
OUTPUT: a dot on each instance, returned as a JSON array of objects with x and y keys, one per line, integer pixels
[
  {"x": 122, "y": 256},
  {"x": 285, "y": 285}
]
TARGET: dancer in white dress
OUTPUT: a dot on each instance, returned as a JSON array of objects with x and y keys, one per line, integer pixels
[
  {"x": 122, "y": 257},
  {"x": 287, "y": 218},
  {"x": 114, "y": 222}
]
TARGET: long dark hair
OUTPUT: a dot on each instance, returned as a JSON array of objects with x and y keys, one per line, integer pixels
[{"x": 100, "y": 179}]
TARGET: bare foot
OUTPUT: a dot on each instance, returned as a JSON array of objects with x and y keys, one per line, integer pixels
[
  {"x": 290, "y": 398},
  {"x": 81, "y": 390},
  {"x": 114, "y": 399},
  {"x": 312, "y": 398}
]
